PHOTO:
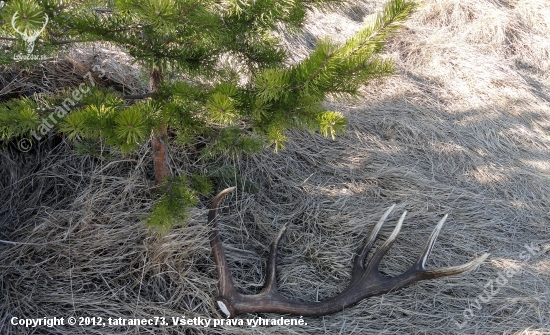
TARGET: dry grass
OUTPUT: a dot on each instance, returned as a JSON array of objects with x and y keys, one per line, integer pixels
[
  {"x": 463, "y": 128},
  {"x": 72, "y": 69},
  {"x": 60, "y": 74}
]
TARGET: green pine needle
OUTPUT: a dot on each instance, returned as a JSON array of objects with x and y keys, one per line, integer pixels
[{"x": 131, "y": 126}]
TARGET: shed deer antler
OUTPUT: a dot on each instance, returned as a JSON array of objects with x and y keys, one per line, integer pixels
[{"x": 366, "y": 280}]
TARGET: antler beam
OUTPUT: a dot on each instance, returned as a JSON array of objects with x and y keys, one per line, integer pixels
[{"x": 366, "y": 280}]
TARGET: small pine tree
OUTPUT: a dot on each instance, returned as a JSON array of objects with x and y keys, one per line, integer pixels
[{"x": 216, "y": 71}]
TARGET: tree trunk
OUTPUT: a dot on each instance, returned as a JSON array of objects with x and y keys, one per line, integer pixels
[{"x": 158, "y": 137}]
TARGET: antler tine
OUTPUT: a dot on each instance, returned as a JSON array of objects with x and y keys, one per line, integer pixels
[
  {"x": 375, "y": 260},
  {"x": 453, "y": 270},
  {"x": 224, "y": 275},
  {"x": 420, "y": 265},
  {"x": 360, "y": 258},
  {"x": 271, "y": 275}
]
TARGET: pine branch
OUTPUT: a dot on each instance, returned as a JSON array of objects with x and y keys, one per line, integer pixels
[
  {"x": 384, "y": 24},
  {"x": 238, "y": 93},
  {"x": 316, "y": 73}
]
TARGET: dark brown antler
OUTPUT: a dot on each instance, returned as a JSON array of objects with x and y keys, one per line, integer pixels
[{"x": 366, "y": 281}]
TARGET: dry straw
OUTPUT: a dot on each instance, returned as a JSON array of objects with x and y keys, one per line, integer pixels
[{"x": 463, "y": 129}]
